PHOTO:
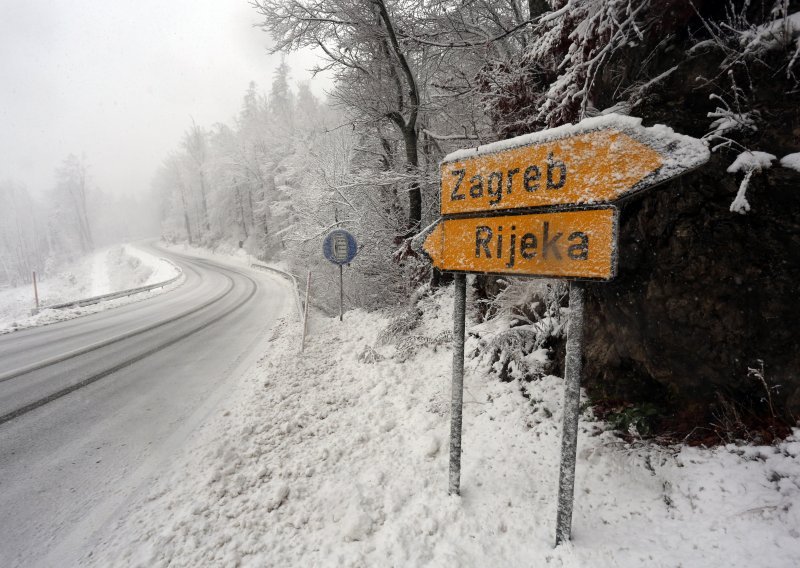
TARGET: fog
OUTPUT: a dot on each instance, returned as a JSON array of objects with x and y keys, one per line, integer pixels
[{"x": 118, "y": 83}]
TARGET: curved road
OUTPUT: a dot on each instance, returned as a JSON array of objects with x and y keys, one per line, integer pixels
[{"x": 90, "y": 407}]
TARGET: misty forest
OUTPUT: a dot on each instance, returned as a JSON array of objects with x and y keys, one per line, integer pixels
[
  {"x": 701, "y": 316},
  {"x": 693, "y": 346},
  {"x": 683, "y": 332}
]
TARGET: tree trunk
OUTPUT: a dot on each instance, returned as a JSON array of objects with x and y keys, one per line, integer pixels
[
  {"x": 242, "y": 221},
  {"x": 186, "y": 217},
  {"x": 203, "y": 203},
  {"x": 410, "y": 139}
]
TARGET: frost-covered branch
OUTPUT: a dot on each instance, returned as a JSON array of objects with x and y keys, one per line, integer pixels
[{"x": 749, "y": 163}]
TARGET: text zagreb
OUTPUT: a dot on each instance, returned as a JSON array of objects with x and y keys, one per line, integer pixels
[{"x": 532, "y": 177}]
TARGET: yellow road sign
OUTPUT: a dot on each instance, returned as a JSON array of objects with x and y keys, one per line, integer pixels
[
  {"x": 566, "y": 244},
  {"x": 597, "y": 161}
]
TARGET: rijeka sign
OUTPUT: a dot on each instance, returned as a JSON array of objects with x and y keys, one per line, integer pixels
[
  {"x": 577, "y": 244},
  {"x": 530, "y": 188}
]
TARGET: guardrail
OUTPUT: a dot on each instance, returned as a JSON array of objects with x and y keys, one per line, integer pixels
[
  {"x": 295, "y": 287},
  {"x": 114, "y": 295}
]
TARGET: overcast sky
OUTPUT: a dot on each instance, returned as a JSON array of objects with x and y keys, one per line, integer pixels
[{"x": 121, "y": 81}]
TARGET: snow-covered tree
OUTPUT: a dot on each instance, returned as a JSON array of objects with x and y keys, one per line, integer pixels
[
  {"x": 70, "y": 214},
  {"x": 23, "y": 240}
]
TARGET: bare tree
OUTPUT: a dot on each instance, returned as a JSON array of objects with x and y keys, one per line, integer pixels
[
  {"x": 362, "y": 44},
  {"x": 23, "y": 244},
  {"x": 195, "y": 145},
  {"x": 72, "y": 188}
]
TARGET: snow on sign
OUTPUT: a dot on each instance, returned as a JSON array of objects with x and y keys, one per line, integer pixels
[
  {"x": 565, "y": 244},
  {"x": 599, "y": 160}
]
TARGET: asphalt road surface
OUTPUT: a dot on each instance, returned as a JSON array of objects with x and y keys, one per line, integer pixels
[{"x": 91, "y": 408}]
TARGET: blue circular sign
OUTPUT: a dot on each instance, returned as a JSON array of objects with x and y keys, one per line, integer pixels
[{"x": 339, "y": 247}]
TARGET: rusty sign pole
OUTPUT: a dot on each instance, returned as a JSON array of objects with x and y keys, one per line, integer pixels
[
  {"x": 572, "y": 398},
  {"x": 457, "y": 394}
]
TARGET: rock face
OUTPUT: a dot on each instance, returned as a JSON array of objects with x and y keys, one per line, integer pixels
[{"x": 703, "y": 293}]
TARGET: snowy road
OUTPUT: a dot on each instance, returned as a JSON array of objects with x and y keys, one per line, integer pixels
[{"x": 90, "y": 408}]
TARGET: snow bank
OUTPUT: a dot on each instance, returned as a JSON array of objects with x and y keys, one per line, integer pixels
[
  {"x": 791, "y": 161},
  {"x": 338, "y": 457},
  {"x": 751, "y": 161},
  {"x": 160, "y": 270},
  {"x": 105, "y": 271}
]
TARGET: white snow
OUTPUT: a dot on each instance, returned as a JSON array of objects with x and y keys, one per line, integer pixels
[
  {"x": 101, "y": 284},
  {"x": 658, "y": 134},
  {"x": 791, "y": 161},
  {"x": 104, "y": 271},
  {"x": 727, "y": 120},
  {"x": 160, "y": 270},
  {"x": 749, "y": 163},
  {"x": 777, "y": 33},
  {"x": 331, "y": 459}
]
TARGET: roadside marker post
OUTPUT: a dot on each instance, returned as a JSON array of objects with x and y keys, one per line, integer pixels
[
  {"x": 35, "y": 290},
  {"x": 305, "y": 312},
  {"x": 540, "y": 205},
  {"x": 35, "y": 294},
  {"x": 340, "y": 247}
]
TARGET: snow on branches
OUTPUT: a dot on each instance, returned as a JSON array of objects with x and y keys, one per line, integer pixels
[
  {"x": 749, "y": 163},
  {"x": 593, "y": 30}
]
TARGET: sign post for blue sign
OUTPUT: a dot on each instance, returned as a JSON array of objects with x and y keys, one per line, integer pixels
[{"x": 340, "y": 247}]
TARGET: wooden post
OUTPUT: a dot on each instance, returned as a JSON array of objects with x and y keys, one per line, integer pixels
[
  {"x": 35, "y": 291},
  {"x": 305, "y": 311}
]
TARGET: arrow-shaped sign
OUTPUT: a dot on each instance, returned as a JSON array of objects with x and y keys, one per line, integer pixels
[
  {"x": 566, "y": 244},
  {"x": 599, "y": 160}
]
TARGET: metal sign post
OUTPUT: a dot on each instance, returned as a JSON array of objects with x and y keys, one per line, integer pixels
[
  {"x": 534, "y": 206},
  {"x": 457, "y": 394},
  {"x": 572, "y": 398},
  {"x": 341, "y": 292},
  {"x": 340, "y": 247}
]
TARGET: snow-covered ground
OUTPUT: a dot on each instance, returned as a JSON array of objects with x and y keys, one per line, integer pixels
[
  {"x": 225, "y": 253},
  {"x": 338, "y": 456},
  {"x": 107, "y": 270}
]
